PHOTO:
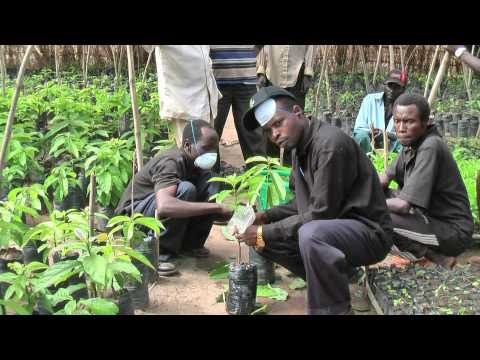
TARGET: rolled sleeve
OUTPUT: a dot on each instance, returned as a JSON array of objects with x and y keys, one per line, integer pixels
[{"x": 164, "y": 174}]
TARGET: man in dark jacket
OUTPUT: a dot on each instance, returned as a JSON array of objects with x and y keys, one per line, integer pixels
[
  {"x": 338, "y": 220},
  {"x": 175, "y": 183},
  {"x": 430, "y": 212}
]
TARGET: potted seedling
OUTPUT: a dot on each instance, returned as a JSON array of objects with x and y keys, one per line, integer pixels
[
  {"x": 242, "y": 276},
  {"x": 111, "y": 161},
  {"x": 134, "y": 236}
]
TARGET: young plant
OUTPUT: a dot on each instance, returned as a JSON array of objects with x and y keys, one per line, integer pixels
[
  {"x": 112, "y": 164},
  {"x": 61, "y": 179}
]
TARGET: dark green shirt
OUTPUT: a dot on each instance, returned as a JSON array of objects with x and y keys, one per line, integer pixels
[
  {"x": 429, "y": 179},
  {"x": 333, "y": 179},
  {"x": 163, "y": 170}
]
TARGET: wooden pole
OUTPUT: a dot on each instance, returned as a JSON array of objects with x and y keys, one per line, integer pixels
[
  {"x": 439, "y": 77},
  {"x": 402, "y": 60},
  {"x": 3, "y": 66},
  {"x": 85, "y": 69},
  {"x": 379, "y": 56},
  {"x": 11, "y": 115},
  {"x": 136, "y": 115},
  {"x": 364, "y": 66},
  {"x": 465, "y": 80},
  {"x": 430, "y": 71},
  {"x": 57, "y": 64},
  {"x": 392, "y": 57},
  {"x": 146, "y": 66},
  {"x": 319, "y": 85},
  {"x": 385, "y": 150},
  {"x": 91, "y": 204}
]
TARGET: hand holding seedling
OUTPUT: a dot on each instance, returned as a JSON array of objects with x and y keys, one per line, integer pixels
[
  {"x": 260, "y": 218},
  {"x": 249, "y": 237}
]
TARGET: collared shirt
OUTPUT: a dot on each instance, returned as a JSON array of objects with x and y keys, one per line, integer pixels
[
  {"x": 281, "y": 64},
  {"x": 428, "y": 178},
  {"x": 333, "y": 179},
  {"x": 372, "y": 112},
  {"x": 234, "y": 64},
  {"x": 186, "y": 86},
  {"x": 168, "y": 168}
]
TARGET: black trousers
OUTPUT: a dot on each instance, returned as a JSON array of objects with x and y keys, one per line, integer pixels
[
  {"x": 326, "y": 255},
  {"x": 184, "y": 233},
  {"x": 272, "y": 149},
  {"x": 238, "y": 97},
  {"x": 415, "y": 234}
]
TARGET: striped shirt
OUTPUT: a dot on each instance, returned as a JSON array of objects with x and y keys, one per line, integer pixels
[{"x": 234, "y": 64}]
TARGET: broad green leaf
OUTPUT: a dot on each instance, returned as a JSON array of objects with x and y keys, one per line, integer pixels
[
  {"x": 16, "y": 307},
  {"x": 279, "y": 185},
  {"x": 98, "y": 306},
  {"x": 95, "y": 266},
  {"x": 256, "y": 159},
  {"x": 137, "y": 256},
  {"x": 297, "y": 283},
  {"x": 274, "y": 293},
  {"x": 59, "y": 272},
  {"x": 219, "y": 271},
  {"x": 124, "y": 267},
  {"x": 151, "y": 223}
]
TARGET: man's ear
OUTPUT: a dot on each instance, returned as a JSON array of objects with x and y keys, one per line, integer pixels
[{"x": 297, "y": 110}]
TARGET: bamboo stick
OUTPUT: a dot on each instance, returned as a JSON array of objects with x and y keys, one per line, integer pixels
[
  {"x": 319, "y": 85},
  {"x": 136, "y": 115},
  {"x": 439, "y": 77},
  {"x": 430, "y": 71},
  {"x": 11, "y": 115},
  {"x": 146, "y": 66},
  {"x": 377, "y": 63},
  {"x": 392, "y": 57},
  {"x": 465, "y": 81},
  {"x": 385, "y": 149},
  {"x": 85, "y": 74},
  {"x": 57, "y": 63},
  {"x": 364, "y": 66},
  {"x": 2, "y": 70},
  {"x": 402, "y": 60},
  {"x": 327, "y": 83},
  {"x": 91, "y": 204}
]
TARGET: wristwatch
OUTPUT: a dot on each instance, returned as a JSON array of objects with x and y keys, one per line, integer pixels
[
  {"x": 459, "y": 52},
  {"x": 260, "y": 244}
]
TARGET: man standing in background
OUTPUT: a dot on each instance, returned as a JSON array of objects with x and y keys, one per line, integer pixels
[
  {"x": 289, "y": 67},
  {"x": 186, "y": 86},
  {"x": 234, "y": 68}
]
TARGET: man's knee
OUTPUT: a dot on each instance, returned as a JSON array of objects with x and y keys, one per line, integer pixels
[
  {"x": 316, "y": 240},
  {"x": 186, "y": 191}
]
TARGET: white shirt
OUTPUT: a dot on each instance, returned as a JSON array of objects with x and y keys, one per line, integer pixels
[{"x": 186, "y": 85}]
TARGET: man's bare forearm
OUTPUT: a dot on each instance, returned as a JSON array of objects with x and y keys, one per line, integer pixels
[
  {"x": 398, "y": 206},
  {"x": 176, "y": 208},
  {"x": 471, "y": 61}
]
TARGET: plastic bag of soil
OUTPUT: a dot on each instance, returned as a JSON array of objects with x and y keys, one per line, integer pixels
[{"x": 242, "y": 293}]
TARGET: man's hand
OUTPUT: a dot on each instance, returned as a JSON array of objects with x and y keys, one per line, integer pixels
[
  {"x": 261, "y": 80},
  {"x": 376, "y": 132},
  {"x": 260, "y": 218},
  {"x": 307, "y": 83},
  {"x": 249, "y": 237},
  {"x": 224, "y": 213},
  {"x": 452, "y": 48}
]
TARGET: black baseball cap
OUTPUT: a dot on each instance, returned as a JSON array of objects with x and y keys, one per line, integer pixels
[{"x": 269, "y": 92}]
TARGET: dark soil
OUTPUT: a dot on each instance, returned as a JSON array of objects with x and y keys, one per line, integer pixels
[{"x": 427, "y": 290}]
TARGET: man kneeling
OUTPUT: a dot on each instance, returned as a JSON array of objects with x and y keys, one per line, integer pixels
[
  {"x": 430, "y": 212},
  {"x": 338, "y": 220},
  {"x": 175, "y": 182}
]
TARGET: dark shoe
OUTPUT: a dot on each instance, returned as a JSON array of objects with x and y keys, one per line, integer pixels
[
  {"x": 447, "y": 262},
  {"x": 197, "y": 253},
  {"x": 166, "y": 269},
  {"x": 359, "y": 297},
  {"x": 165, "y": 257}
]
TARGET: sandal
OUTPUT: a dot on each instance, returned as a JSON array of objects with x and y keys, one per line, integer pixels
[{"x": 166, "y": 269}]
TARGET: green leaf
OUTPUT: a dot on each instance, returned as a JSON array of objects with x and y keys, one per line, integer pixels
[
  {"x": 137, "y": 256},
  {"x": 58, "y": 272},
  {"x": 279, "y": 185},
  {"x": 16, "y": 307},
  {"x": 256, "y": 159},
  {"x": 99, "y": 306},
  {"x": 219, "y": 271},
  {"x": 274, "y": 293},
  {"x": 297, "y": 283},
  {"x": 124, "y": 267},
  {"x": 95, "y": 266},
  {"x": 151, "y": 223}
]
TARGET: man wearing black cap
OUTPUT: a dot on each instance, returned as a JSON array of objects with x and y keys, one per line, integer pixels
[
  {"x": 338, "y": 219},
  {"x": 375, "y": 114}
]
